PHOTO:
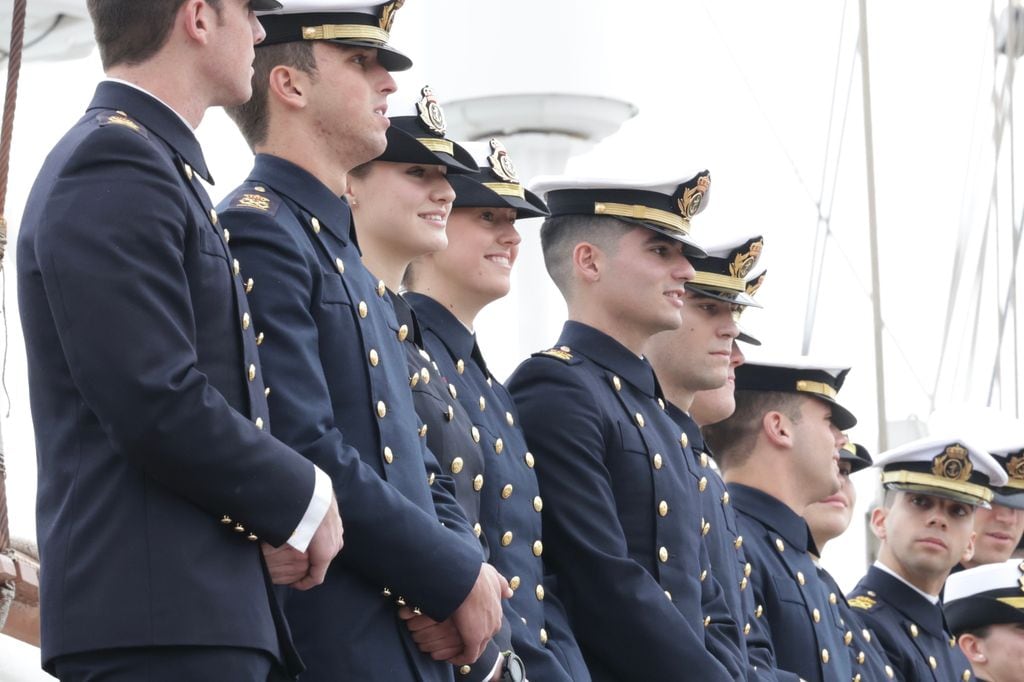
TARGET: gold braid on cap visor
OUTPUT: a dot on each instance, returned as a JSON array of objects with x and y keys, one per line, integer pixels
[
  {"x": 713, "y": 279},
  {"x": 671, "y": 221},
  {"x": 816, "y": 387},
  {"x": 505, "y": 189},
  {"x": 345, "y": 32},
  {"x": 931, "y": 481},
  {"x": 436, "y": 144}
]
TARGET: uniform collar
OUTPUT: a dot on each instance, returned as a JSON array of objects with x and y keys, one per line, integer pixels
[
  {"x": 931, "y": 599},
  {"x": 773, "y": 513},
  {"x": 158, "y": 119},
  {"x": 459, "y": 341},
  {"x": 610, "y": 354},
  {"x": 307, "y": 191},
  {"x": 686, "y": 423},
  {"x": 405, "y": 315},
  {"x": 907, "y": 600}
]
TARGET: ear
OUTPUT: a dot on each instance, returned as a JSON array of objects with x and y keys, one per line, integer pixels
[
  {"x": 878, "y": 516},
  {"x": 196, "y": 18},
  {"x": 587, "y": 261},
  {"x": 969, "y": 551},
  {"x": 288, "y": 86},
  {"x": 777, "y": 428}
]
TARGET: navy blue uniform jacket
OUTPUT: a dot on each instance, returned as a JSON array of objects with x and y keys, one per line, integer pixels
[
  {"x": 155, "y": 478},
  {"x": 911, "y": 629},
  {"x": 340, "y": 395},
  {"x": 509, "y": 498},
  {"x": 621, "y": 516},
  {"x": 803, "y": 622}
]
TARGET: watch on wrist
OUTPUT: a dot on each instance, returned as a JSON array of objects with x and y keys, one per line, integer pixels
[{"x": 514, "y": 671}]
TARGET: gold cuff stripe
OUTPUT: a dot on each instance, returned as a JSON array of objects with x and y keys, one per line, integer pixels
[
  {"x": 436, "y": 144},
  {"x": 931, "y": 481},
  {"x": 817, "y": 387},
  {"x": 637, "y": 212},
  {"x": 506, "y": 189},
  {"x": 1015, "y": 602},
  {"x": 344, "y": 32},
  {"x": 713, "y": 279}
]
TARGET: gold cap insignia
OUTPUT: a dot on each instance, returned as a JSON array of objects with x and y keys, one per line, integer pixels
[
  {"x": 431, "y": 112},
  {"x": 953, "y": 464},
  {"x": 1015, "y": 467},
  {"x": 501, "y": 162},
  {"x": 692, "y": 197},
  {"x": 754, "y": 285},
  {"x": 387, "y": 14},
  {"x": 743, "y": 263}
]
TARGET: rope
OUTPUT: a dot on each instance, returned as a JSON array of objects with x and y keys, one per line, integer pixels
[{"x": 6, "y": 131}]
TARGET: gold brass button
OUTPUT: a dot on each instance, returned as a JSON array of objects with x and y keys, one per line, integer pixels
[
  {"x": 252, "y": 372},
  {"x": 506, "y": 538},
  {"x": 684, "y": 440},
  {"x": 382, "y": 409},
  {"x": 779, "y": 545},
  {"x": 706, "y": 528},
  {"x": 746, "y": 570},
  {"x": 423, "y": 431},
  {"x": 816, "y": 615},
  {"x": 483, "y": 404},
  {"x": 239, "y": 528},
  {"x": 661, "y": 403},
  {"x": 543, "y": 636},
  {"x": 538, "y": 548},
  {"x": 704, "y": 575},
  {"x": 236, "y": 267},
  {"x": 932, "y": 662},
  {"x": 363, "y": 310},
  {"x": 860, "y": 657},
  {"x": 465, "y": 670},
  {"x": 866, "y": 634},
  {"x": 266, "y": 392},
  {"x": 639, "y": 419},
  {"x": 499, "y": 445},
  {"x": 457, "y": 465},
  {"x": 226, "y": 520},
  {"x": 888, "y": 671},
  {"x": 403, "y": 332},
  {"x": 514, "y": 582},
  {"x": 746, "y": 629},
  {"x": 509, "y": 419},
  {"x": 914, "y": 632},
  {"x": 529, "y": 459},
  {"x": 213, "y": 216},
  {"x": 800, "y": 577},
  {"x": 430, "y": 481},
  {"x": 227, "y": 236},
  {"x": 450, "y": 414},
  {"x": 538, "y": 504},
  {"x": 374, "y": 357},
  {"x": 743, "y": 583},
  {"x": 259, "y": 423},
  {"x": 249, "y": 284},
  {"x": 381, "y": 287},
  {"x": 966, "y": 676},
  {"x": 389, "y": 455},
  {"x": 252, "y": 537},
  {"x": 506, "y": 492},
  {"x": 663, "y": 508},
  {"x": 847, "y": 638},
  {"x": 452, "y": 391},
  {"x": 259, "y": 339},
  {"x": 260, "y": 188},
  {"x": 832, "y": 598},
  {"x": 475, "y": 433},
  {"x": 758, "y": 611},
  {"x": 668, "y": 595},
  {"x": 824, "y": 655},
  {"x": 657, "y": 461},
  {"x": 663, "y": 554},
  {"x": 460, "y": 366},
  {"x": 478, "y": 482},
  {"x": 316, "y": 224},
  {"x": 707, "y": 621},
  {"x": 424, "y": 375},
  {"x": 340, "y": 265},
  {"x": 702, "y": 484},
  {"x": 704, "y": 459},
  {"x": 616, "y": 383},
  {"x": 738, "y": 542},
  {"x": 246, "y": 320},
  {"x": 188, "y": 171},
  {"x": 540, "y": 592},
  {"x": 477, "y": 530}
]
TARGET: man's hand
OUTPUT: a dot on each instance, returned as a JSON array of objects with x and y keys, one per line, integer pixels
[
  {"x": 285, "y": 564},
  {"x": 325, "y": 545},
  {"x": 478, "y": 618},
  {"x": 440, "y": 640}
]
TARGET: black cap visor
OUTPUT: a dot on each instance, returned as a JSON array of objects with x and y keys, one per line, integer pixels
[
  {"x": 404, "y": 147},
  {"x": 471, "y": 192}
]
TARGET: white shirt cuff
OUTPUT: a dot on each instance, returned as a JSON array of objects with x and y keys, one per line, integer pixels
[
  {"x": 315, "y": 512},
  {"x": 494, "y": 670}
]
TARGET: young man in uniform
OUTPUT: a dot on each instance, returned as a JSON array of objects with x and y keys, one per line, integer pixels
[
  {"x": 998, "y": 529},
  {"x": 622, "y": 520},
  {"x": 157, "y": 475},
  {"x": 926, "y": 526},
  {"x": 778, "y": 454},
  {"x": 333, "y": 354}
]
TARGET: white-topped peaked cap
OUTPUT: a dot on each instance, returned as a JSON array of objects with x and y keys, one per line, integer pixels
[
  {"x": 801, "y": 375},
  {"x": 666, "y": 206},
  {"x": 944, "y": 466},
  {"x": 417, "y": 135},
  {"x": 723, "y": 274},
  {"x": 992, "y": 594},
  {"x": 754, "y": 283},
  {"x": 496, "y": 183},
  {"x": 359, "y": 24},
  {"x": 1006, "y": 445}
]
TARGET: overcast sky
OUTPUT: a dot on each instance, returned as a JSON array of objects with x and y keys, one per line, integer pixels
[{"x": 745, "y": 89}]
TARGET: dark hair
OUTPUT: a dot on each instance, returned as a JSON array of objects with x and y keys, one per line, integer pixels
[
  {"x": 733, "y": 439},
  {"x": 132, "y": 31},
  {"x": 251, "y": 117},
  {"x": 559, "y": 235}
]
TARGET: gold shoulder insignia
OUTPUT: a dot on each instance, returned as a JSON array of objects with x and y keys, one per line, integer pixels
[
  {"x": 560, "y": 353},
  {"x": 254, "y": 199},
  {"x": 119, "y": 118},
  {"x": 862, "y": 602}
]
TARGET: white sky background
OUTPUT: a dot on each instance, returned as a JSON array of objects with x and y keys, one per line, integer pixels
[{"x": 742, "y": 88}]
